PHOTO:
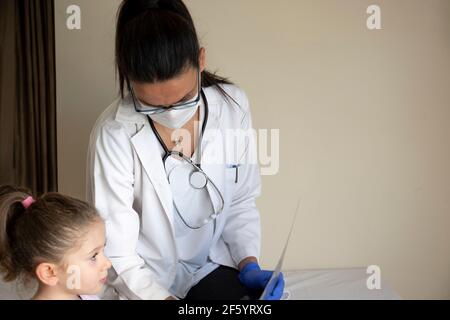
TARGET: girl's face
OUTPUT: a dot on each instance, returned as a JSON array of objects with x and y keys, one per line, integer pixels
[{"x": 87, "y": 267}]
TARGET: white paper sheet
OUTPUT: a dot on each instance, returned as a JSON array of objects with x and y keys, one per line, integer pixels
[{"x": 273, "y": 280}]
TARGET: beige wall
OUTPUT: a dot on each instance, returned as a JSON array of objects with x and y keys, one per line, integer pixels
[{"x": 364, "y": 119}]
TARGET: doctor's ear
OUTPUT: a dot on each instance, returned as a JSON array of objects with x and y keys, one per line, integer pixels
[
  {"x": 202, "y": 59},
  {"x": 47, "y": 274}
]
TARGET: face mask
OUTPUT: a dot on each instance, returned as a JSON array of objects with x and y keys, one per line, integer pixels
[{"x": 174, "y": 119}]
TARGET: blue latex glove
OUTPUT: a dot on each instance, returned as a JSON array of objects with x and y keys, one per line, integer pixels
[{"x": 252, "y": 277}]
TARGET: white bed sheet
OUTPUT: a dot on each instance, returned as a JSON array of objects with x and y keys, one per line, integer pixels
[{"x": 334, "y": 284}]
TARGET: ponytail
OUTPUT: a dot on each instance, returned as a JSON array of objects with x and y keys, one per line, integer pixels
[{"x": 11, "y": 210}]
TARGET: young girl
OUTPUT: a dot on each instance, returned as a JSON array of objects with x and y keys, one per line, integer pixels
[{"x": 55, "y": 239}]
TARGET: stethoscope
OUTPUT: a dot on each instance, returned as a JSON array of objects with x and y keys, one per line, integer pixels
[{"x": 198, "y": 178}]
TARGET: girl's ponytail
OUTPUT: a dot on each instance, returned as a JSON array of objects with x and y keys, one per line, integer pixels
[{"x": 11, "y": 210}]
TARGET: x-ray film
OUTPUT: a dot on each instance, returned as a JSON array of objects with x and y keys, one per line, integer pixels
[{"x": 274, "y": 279}]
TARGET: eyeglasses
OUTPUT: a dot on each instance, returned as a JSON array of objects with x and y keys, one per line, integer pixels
[{"x": 151, "y": 110}]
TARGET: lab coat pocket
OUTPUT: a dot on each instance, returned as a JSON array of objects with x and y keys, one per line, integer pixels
[
  {"x": 232, "y": 173},
  {"x": 231, "y": 179}
]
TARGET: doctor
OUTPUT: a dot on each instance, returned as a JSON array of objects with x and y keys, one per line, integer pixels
[{"x": 180, "y": 223}]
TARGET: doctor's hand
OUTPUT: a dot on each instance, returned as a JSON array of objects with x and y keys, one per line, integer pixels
[{"x": 253, "y": 278}]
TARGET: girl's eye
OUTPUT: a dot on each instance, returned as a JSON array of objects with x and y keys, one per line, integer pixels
[{"x": 94, "y": 257}]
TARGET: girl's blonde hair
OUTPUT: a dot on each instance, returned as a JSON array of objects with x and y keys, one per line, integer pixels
[{"x": 43, "y": 231}]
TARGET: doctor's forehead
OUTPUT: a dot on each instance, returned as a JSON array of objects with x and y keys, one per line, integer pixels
[{"x": 168, "y": 92}]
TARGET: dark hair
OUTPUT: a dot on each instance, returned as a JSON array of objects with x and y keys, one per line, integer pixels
[
  {"x": 156, "y": 41},
  {"x": 44, "y": 232}
]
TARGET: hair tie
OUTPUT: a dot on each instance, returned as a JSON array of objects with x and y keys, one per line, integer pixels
[{"x": 28, "y": 202}]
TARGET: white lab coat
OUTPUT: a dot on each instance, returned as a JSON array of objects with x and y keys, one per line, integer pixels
[{"x": 127, "y": 183}]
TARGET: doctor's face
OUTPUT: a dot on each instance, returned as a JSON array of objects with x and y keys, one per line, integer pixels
[{"x": 180, "y": 89}]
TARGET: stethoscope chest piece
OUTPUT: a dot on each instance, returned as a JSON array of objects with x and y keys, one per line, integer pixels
[{"x": 198, "y": 180}]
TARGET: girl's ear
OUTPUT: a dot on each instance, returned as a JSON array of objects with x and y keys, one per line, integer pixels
[
  {"x": 47, "y": 274},
  {"x": 202, "y": 59}
]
